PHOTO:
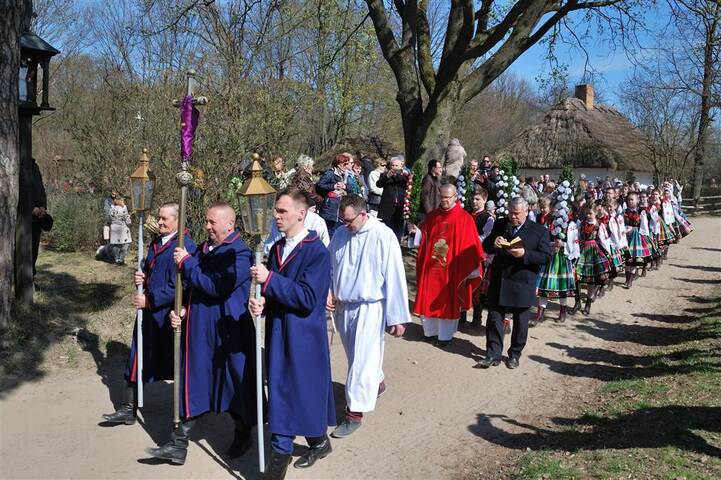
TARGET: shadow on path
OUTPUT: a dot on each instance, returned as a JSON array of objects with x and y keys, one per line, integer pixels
[
  {"x": 670, "y": 426},
  {"x": 59, "y": 310}
]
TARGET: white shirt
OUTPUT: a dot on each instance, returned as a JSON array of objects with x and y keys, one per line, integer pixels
[
  {"x": 291, "y": 243},
  {"x": 313, "y": 221},
  {"x": 166, "y": 238},
  {"x": 367, "y": 267}
]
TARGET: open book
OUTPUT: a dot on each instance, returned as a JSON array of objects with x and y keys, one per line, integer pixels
[{"x": 515, "y": 243}]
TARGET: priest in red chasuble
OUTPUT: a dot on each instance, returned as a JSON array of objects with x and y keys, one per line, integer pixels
[{"x": 448, "y": 268}]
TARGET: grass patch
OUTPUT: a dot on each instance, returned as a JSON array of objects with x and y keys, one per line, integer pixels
[
  {"x": 542, "y": 465},
  {"x": 663, "y": 421},
  {"x": 81, "y": 315}
]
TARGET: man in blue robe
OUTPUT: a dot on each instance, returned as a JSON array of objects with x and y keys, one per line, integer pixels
[
  {"x": 218, "y": 350},
  {"x": 295, "y": 287},
  {"x": 158, "y": 278}
]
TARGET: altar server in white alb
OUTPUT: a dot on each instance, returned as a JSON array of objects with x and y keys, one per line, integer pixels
[{"x": 368, "y": 294}]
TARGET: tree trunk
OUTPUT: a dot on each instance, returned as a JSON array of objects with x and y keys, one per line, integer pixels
[
  {"x": 11, "y": 22},
  {"x": 704, "y": 114},
  {"x": 427, "y": 132},
  {"x": 436, "y": 131}
]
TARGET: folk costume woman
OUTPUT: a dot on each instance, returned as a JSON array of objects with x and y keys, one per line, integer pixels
[
  {"x": 593, "y": 267},
  {"x": 666, "y": 235},
  {"x": 683, "y": 226},
  {"x": 619, "y": 243},
  {"x": 653, "y": 228},
  {"x": 639, "y": 251},
  {"x": 556, "y": 280}
]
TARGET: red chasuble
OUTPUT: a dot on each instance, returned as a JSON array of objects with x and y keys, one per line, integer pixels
[{"x": 450, "y": 251}]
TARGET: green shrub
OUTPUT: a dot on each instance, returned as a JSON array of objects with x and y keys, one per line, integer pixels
[{"x": 78, "y": 222}]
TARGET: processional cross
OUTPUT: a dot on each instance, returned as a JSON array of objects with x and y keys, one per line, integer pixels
[{"x": 189, "y": 116}]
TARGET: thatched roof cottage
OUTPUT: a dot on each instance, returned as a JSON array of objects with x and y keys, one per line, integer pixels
[{"x": 596, "y": 139}]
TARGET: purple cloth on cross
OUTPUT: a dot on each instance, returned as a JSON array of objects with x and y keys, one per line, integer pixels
[{"x": 189, "y": 116}]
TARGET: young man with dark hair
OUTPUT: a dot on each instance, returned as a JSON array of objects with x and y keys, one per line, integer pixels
[{"x": 295, "y": 285}]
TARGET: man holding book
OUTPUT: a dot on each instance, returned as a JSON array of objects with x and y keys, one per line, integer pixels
[{"x": 520, "y": 247}]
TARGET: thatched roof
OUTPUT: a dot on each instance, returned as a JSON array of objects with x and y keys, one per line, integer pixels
[
  {"x": 595, "y": 137},
  {"x": 371, "y": 146}
]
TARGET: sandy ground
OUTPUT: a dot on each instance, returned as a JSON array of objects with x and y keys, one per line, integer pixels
[{"x": 436, "y": 413}]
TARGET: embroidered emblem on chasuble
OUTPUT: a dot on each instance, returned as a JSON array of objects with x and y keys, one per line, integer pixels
[{"x": 440, "y": 248}]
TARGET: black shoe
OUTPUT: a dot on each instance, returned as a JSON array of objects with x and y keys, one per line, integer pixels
[
  {"x": 314, "y": 453},
  {"x": 176, "y": 449},
  {"x": 124, "y": 414},
  {"x": 442, "y": 343},
  {"x": 277, "y": 466},
  {"x": 587, "y": 309},
  {"x": 487, "y": 363},
  {"x": 576, "y": 307},
  {"x": 242, "y": 441},
  {"x": 512, "y": 363}
]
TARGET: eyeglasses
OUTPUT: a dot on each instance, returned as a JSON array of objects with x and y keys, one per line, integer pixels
[{"x": 348, "y": 222}]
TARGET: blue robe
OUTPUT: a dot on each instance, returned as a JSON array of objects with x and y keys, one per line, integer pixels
[
  {"x": 159, "y": 288},
  {"x": 218, "y": 367},
  {"x": 300, "y": 390}
]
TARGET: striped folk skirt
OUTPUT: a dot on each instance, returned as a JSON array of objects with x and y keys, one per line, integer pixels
[
  {"x": 639, "y": 251},
  {"x": 653, "y": 245},
  {"x": 557, "y": 278},
  {"x": 593, "y": 264},
  {"x": 617, "y": 262},
  {"x": 684, "y": 226},
  {"x": 666, "y": 236}
]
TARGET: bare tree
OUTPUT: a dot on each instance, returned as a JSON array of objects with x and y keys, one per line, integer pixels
[
  {"x": 696, "y": 63},
  {"x": 479, "y": 44},
  {"x": 14, "y": 18},
  {"x": 668, "y": 117}
]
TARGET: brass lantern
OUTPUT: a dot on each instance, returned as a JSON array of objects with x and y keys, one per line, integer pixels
[
  {"x": 142, "y": 184},
  {"x": 256, "y": 199}
]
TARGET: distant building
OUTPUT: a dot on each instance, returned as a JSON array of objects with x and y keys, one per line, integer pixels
[{"x": 596, "y": 139}]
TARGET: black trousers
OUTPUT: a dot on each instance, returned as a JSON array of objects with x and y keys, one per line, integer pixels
[
  {"x": 495, "y": 331},
  {"x": 37, "y": 230}
]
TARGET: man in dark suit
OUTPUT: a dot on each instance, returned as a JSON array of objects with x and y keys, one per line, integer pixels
[
  {"x": 512, "y": 287},
  {"x": 393, "y": 182}
]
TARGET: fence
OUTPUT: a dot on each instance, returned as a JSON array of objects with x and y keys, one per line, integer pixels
[{"x": 707, "y": 205}]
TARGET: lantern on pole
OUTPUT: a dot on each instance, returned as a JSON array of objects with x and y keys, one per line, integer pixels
[
  {"x": 256, "y": 200},
  {"x": 142, "y": 183}
]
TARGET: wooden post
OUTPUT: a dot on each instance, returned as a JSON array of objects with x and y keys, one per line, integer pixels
[{"x": 24, "y": 227}]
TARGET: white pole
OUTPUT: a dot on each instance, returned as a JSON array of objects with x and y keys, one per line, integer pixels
[
  {"x": 139, "y": 326},
  {"x": 259, "y": 372}
]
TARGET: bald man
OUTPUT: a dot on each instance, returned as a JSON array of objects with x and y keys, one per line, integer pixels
[
  {"x": 448, "y": 267},
  {"x": 218, "y": 350}
]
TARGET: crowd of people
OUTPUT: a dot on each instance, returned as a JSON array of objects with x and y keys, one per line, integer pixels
[{"x": 335, "y": 251}]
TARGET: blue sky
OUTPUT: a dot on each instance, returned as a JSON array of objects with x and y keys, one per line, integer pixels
[{"x": 613, "y": 64}]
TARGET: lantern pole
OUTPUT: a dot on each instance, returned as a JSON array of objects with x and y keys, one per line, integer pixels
[
  {"x": 257, "y": 187},
  {"x": 139, "y": 312},
  {"x": 139, "y": 340},
  {"x": 259, "y": 358}
]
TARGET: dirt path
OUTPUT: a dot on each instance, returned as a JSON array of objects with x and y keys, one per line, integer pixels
[{"x": 426, "y": 424}]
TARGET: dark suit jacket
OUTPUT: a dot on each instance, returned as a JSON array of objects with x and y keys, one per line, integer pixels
[
  {"x": 513, "y": 280},
  {"x": 394, "y": 191}
]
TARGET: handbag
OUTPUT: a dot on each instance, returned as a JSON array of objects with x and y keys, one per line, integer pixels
[{"x": 46, "y": 222}]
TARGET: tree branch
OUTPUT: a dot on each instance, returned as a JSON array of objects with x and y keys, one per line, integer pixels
[
  {"x": 458, "y": 36},
  {"x": 386, "y": 38},
  {"x": 423, "y": 49}
]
